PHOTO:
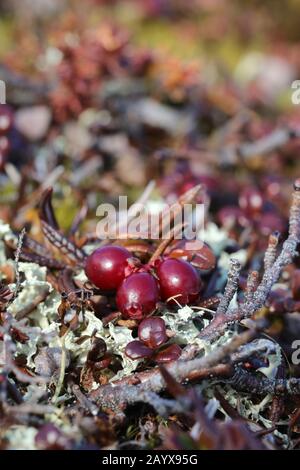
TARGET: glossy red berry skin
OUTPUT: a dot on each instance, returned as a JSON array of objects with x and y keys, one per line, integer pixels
[
  {"x": 137, "y": 296},
  {"x": 105, "y": 267},
  {"x": 152, "y": 332},
  {"x": 178, "y": 278}
]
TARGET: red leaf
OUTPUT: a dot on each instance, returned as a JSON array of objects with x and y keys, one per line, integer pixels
[
  {"x": 171, "y": 353},
  {"x": 137, "y": 350}
]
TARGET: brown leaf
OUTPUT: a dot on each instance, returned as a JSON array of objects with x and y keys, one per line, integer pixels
[
  {"x": 48, "y": 361},
  {"x": 46, "y": 210},
  {"x": 63, "y": 244}
]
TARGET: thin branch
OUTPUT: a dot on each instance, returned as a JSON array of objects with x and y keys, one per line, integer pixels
[
  {"x": 166, "y": 242},
  {"x": 252, "y": 284},
  {"x": 17, "y": 257},
  {"x": 121, "y": 227},
  {"x": 243, "y": 381},
  {"x": 117, "y": 396},
  {"x": 231, "y": 286},
  {"x": 220, "y": 323},
  {"x": 175, "y": 210},
  {"x": 271, "y": 252}
]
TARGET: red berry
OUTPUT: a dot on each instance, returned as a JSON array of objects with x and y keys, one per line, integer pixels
[
  {"x": 251, "y": 201},
  {"x": 105, "y": 267},
  {"x": 178, "y": 278},
  {"x": 137, "y": 350},
  {"x": 152, "y": 332},
  {"x": 6, "y": 119},
  {"x": 138, "y": 295}
]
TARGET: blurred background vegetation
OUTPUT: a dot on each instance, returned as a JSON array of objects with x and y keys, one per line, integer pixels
[{"x": 189, "y": 29}]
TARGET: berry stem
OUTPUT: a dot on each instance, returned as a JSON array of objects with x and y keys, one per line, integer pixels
[
  {"x": 166, "y": 242},
  {"x": 173, "y": 211}
]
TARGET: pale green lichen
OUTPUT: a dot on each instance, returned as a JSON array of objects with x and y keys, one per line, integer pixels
[
  {"x": 21, "y": 437},
  {"x": 115, "y": 337},
  {"x": 34, "y": 283},
  {"x": 241, "y": 401},
  {"x": 46, "y": 312},
  {"x": 181, "y": 323},
  {"x": 6, "y": 234}
]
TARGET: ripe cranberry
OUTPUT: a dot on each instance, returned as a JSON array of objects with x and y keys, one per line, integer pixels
[
  {"x": 138, "y": 295},
  {"x": 178, "y": 278},
  {"x": 251, "y": 201},
  {"x": 105, "y": 267},
  {"x": 152, "y": 332},
  {"x": 6, "y": 119},
  {"x": 137, "y": 350}
]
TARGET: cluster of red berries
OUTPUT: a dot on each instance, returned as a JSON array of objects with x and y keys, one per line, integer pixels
[
  {"x": 138, "y": 287},
  {"x": 152, "y": 334},
  {"x": 6, "y": 123}
]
